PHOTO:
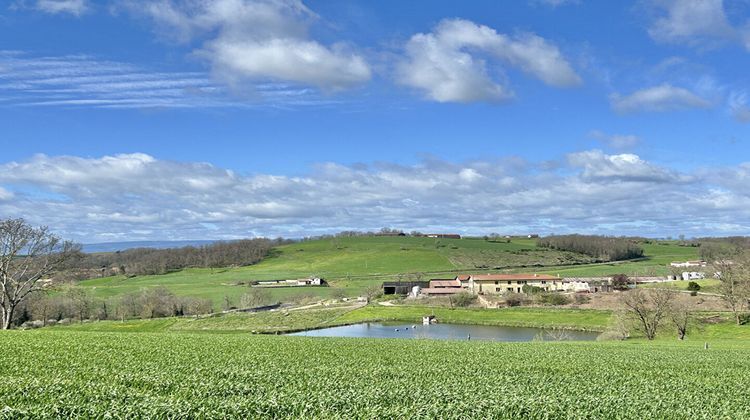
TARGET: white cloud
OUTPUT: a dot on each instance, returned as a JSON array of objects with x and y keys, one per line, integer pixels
[
  {"x": 695, "y": 22},
  {"x": 554, "y": 3},
  {"x": 83, "y": 81},
  {"x": 137, "y": 196},
  {"x": 5, "y": 194},
  {"x": 447, "y": 66},
  {"x": 259, "y": 40},
  {"x": 74, "y": 7},
  {"x": 738, "y": 106},
  {"x": 598, "y": 165},
  {"x": 616, "y": 141},
  {"x": 664, "y": 97}
]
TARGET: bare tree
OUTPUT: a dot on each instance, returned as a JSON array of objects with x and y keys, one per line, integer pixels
[
  {"x": 81, "y": 302},
  {"x": 734, "y": 282},
  {"x": 28, "y": 256},
  {"x": 649, "y": 308},
  {"x": 371, "y": 292},
  {"x": 680, "y": 315},
  {"x": 255, "y": 297}
]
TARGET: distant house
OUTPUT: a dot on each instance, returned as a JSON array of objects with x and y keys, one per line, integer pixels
[
  {"x": 532, "y": 236},
  {"x": 688, "y": 264},
  {"x": 390, "y": 234},
  {"x": 310, "y": 281},
  {"x": 444, "y": 235}
]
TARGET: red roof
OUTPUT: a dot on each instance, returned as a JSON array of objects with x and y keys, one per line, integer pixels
[
  {"x": 442, "y": 291},
  {"x": 445, "y": 283},
  {"x": 491, "y": 277},
  {"x": 463, "y": 277}
]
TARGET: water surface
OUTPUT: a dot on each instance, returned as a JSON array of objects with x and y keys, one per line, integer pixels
[{"x": 448, "y": 332}]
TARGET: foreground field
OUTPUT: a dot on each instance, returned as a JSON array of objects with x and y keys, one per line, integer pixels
[{"x": 65, "y": 373}]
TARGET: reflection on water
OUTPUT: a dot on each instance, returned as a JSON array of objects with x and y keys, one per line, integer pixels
[{"x": 449, "y": 332}]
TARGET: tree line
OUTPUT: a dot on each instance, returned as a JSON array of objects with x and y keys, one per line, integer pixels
[
  {"x": 603, "y": 248},
  {"x": 149, "y": 261}
]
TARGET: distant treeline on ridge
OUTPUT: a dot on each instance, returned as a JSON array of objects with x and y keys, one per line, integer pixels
[
  {"x": 145, "y": 261},
  {"x": 605, "y": 248}
]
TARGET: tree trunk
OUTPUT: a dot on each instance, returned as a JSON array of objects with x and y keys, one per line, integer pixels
[{"x": 8, "y": 317}]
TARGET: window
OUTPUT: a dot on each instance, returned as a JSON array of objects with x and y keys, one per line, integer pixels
[
  {"x": 496, "y": 282},
  {"x": 508, "y": 281},
  {"x": 544, "y": 282},
  {"x": 510, "y": 289}
]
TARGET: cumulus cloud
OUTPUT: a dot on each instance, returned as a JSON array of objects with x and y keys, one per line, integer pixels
[
  {"x": 697, "y": 23},
  {"x": 598, "y": 165},
  {"x": 258, "y": 40},
  {"x": 448, "y": 64},
  {"x": 664, "y": 97},
  {"x": 616, "y": 141},
  {"x": 137, "y": 196}
]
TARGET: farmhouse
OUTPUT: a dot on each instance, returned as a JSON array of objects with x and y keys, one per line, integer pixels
[
  {"x": 444, "y": 235},
  {"x": 503, "y": 283}
]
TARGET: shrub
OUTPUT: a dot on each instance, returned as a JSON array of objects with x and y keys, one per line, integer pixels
[
  {"x": 553, "y": 299},
  {"x": 620, "y": 281},
  {"x": 514, "y": 299},
  {"x": 462, "y": 299},
  {"x": 531, "y": 290},
  {"x": 744, "y": 319},
  {"x": 694, "y": 293},
  {"x": 581, "y": 298},
  {"x": 693, "y": 287}
]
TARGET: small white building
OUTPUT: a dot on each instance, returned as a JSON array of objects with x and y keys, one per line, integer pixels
[
  {"x": 688, "y": 264},
  {"x": 693, "y": 275}
]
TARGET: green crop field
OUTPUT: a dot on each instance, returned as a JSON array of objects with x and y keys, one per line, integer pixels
[
  {"x": 63, "y": 374},
  {"x": 353, "y": 264}
]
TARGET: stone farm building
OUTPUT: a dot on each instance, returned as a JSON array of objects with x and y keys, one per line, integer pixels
[{"x": 495, "y": 284}]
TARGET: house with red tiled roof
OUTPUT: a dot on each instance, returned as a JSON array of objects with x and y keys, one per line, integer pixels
[{"x": 504, "y": 283}]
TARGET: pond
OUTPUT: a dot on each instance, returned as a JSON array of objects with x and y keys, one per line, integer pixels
[{"x": 448, "y": 332}]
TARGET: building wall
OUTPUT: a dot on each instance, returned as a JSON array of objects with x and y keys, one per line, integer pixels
[{"x": 498, "y": 287}]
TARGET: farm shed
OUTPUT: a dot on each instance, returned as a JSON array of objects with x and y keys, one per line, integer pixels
[{"x": 402, "y": 287}]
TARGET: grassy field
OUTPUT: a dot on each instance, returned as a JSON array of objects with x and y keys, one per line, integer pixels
[
  {"x": 64, "y": 373},
  {"x": 352, "y": 264}
]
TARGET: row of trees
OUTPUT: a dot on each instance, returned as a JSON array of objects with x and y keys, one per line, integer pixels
[
  {"x": 78, "y": 304},
  {"x": 145, "y": 261},
  {"x": 604, "y": 248}
]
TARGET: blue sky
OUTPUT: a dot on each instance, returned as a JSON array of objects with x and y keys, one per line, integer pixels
[{"x": 167, "y": 119}]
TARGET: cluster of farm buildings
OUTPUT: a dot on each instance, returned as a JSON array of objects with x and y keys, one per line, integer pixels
[{"x": 496, "y": 284}]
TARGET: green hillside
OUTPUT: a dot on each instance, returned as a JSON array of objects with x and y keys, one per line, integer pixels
[{"x": 352, "y": 264}]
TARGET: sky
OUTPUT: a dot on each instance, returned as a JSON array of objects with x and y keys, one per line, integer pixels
[{"x": 222, "y": 119}]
